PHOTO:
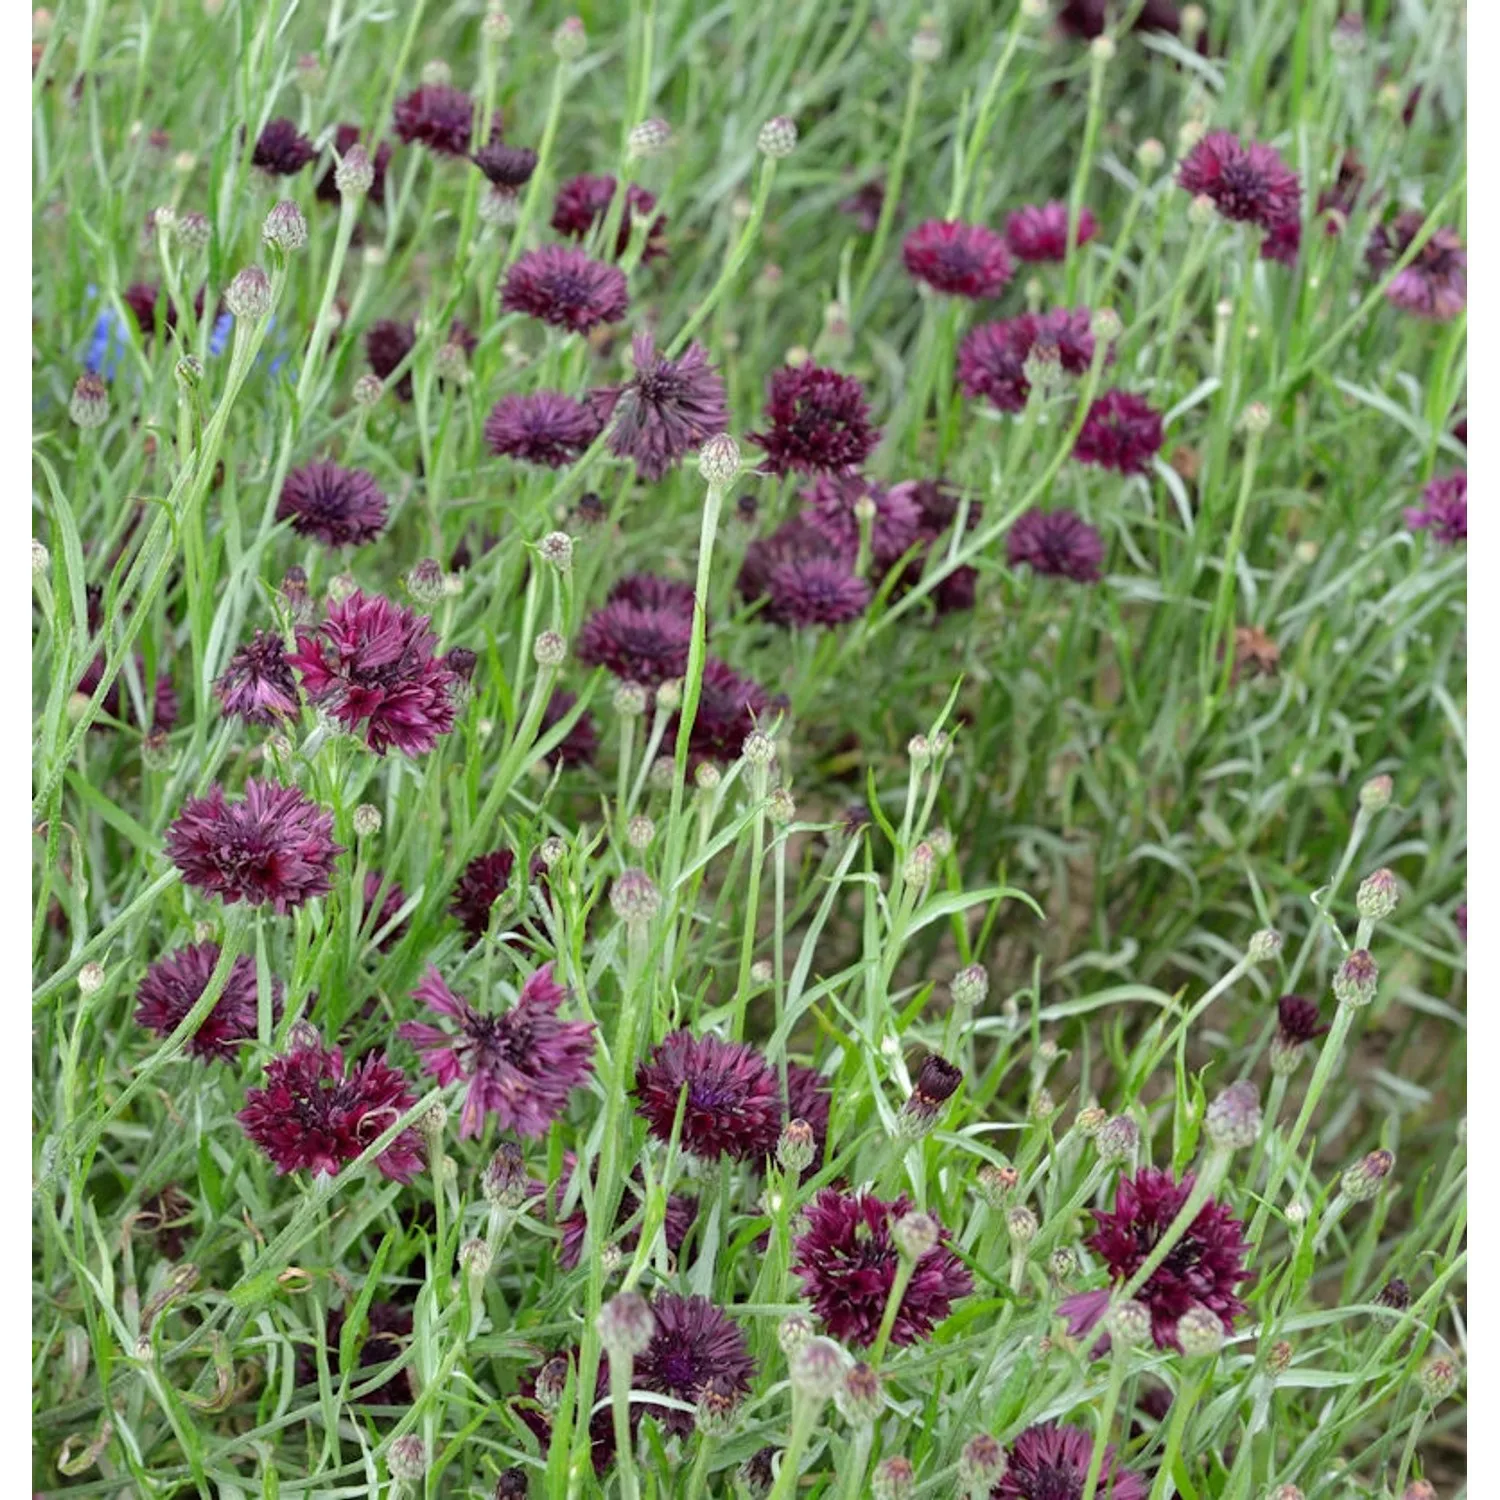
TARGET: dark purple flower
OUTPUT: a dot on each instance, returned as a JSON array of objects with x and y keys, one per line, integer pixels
[
  {"x": 682, "y": 1211},
  {"x": 1050, "y": 1462},
  {"x": 815, "y": 591},
  {"x": 1247, "y": 183},
  {"x": 520, "y": 1065},
  {"x": 808, "y": 1098},
  {"x": 1204, "y": 1268},
  {"x": 847, "y": 1262},
  {"x": 992, "y": 358},
  {"x": 173, "y": 986},
  {"x": 484, "y": 880},
  {"x": 258, "y": 685},
  {"x": 1121, "y": 432},
  {"x": 1297, "y": 1020},
  {"x": 563, "y": 287},
  {"x": 583, "y": 202},
  {"x": 439, "y": 117},
  {"x": 819, "y": 422},
  {"x": 1435, "y": 285},
  {"x": 318, "y": 1114},
  {"x": 729, "y": 707},
  {"x": 650, "y": 591},
  {"x": 387, "y": 343},
  {"x": 864, "y": 205},
  {"x": 507, "y": 167},
  {"x": 380, "y": 159},
  {"x": 645, "y": 645},
  {"x": 119, "y": 703},
  {"x": 1337, "y": 203},
  {"x": 540, "y": 427},
  {"x": 830, "y": 502},
  {"x": 937, "y": 1082},
  {"x": 1282, "y": 242},
  {"x": 282, "y": 149},
  {"x": 795, "y": 541},
  {"x": 373, "y": 664},
  {"x": 1040, "y": 231},
  {"x": 1444, "y": 510},
  {"x": 273, "y": 846},
  {"x": 667, "y": 409},
  {"x": 142, "y": 297},
  {"x": 382, "y": 899},
  {"x": 963, "y": 260},
  {"x": 388, "y": 1328},
  {"x": 695, "y": 1347},
  {"x": 581, "y": 743},
  {"x": 733, "y": 1103},
  {"x": 1059, "y": 543},
  {"x": 339, "y": 507},
  {"x": 1088, "y": 18}
]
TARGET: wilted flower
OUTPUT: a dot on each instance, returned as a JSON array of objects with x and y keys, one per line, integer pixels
[
  {"x": 563, "y": 287},
  {"x": 819, "y": 422},
  {"x": 338, "y": 507},
  {"x": 962, "y": 260},
  {"x": 1040, "y": 232},
  {"x": 175, "y": 983},
  {"x": 733, "y": 1101},
  {"x": 668, "y": 408}
]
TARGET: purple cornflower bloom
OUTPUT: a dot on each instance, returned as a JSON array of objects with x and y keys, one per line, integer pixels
[
  {"x": 439, "y": 117},
  {"x": 962, "y": 260},
  {"x": 387, "y": 343},
  {"x": 282, "y": 149},
  {"x": 583, "y": 202},
  {"x": 484, "y": 880},
  {"x": 666, "y": 409},
  {"x": 173, "y": 986},
  {"x": 1444, "y": 510},
  {"x": 257, "y": 685},
  {"x": 697, "y": 1349},
  {"x": 1121, "y": 432},
  {"x": 829, "y": 504},
  {"x": 1059, "y": 543},
  {"x": 1436, "y": 283},
  {"x": 271, "y": 847},
  {"x": 864, "y": 205},
  {"x": 992, "y": 357},
  {"x": 318, "y": 1114},
  {"x": 563, "y": 287},
  {"x": 1051, "y": 1462},
  {"x": 338, "y": 507},
  {"x": 815, "y": 591},
  {"x": 1248, "y": 183},
  {"x": 507, "y": 167},
  {"x": 380, "y": 159},
  {"x": 795, "y": 541},
  {"x": 819, "y": 422},
  {"x": 847, "y": 1261},
  {"x": 650, "y": 591},
  {"x": 540, "y": 427},
  {"x": 1039, "y": 232},
  {"x": 638, "y": 644},
  {"x": 373, "y": 664},
  {"x": 520, "y": 1065},
  {"x": 729, "y": 707},
  {"x": 680, "y": 1215},
  {"x": 733, "y": 1105}
]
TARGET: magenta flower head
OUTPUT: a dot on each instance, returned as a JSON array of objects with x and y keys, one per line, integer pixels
[
  {"x": 484, "y": 880},
  {"x": 372, "y": 665},
  {"x": 643, "y": 644},
  {"x": 1121, "y": 432},
  {"x": 257, "y": 685},
  {"x": 1436, "y": 283},
  {"x": 992, "y": 358},
  {"x": 696, "y": 1350},
  {"x": 847, "y": 1261},
  {"x": 729, "y": 707},
  {"x": 668, "y": 408},
  {"x": 795, "y": 541},
  {"x": 1051, "y": 1462},
  {"x": 387, "y": 343},
  {"x": 1059, "y": 543},
  {"x": 1040, "y": 232},
  {"x": 282, "y": 149},
  {"x": 815, "y": 591},
  {"x": 345, "y": 137},
  {"x": 506, "y": 167},
  {"x": 831, "y": 503},
  {"x": 1444, "y": 510},
  {"x": 1204, "y": 1268},
  {"x": 962, "y": 260},
  {"x": 563, "y": 287},
  {"x": 336, "y": 506},
  {"x": 173, "y": 986},
  {"x": 819, "y": 422},
  {"x": 439, "y": 117},
  {"x": 273, "y": 847},
  {"x": 519, "y": 1066},
  {"x": 1282, "y": 242},
  {"x": 650, "y": 591},
  {"x": 540, "y": 427},
  {"x": 583, "y": 202},
  {"x": 1247, "y": 183},
  {"x": 733, "y": 1104},
  {"x": 318, "y": 1114},
  {"x": 1298, "y": 1020}
]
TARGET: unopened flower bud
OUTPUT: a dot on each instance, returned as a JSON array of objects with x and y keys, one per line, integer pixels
[
  {"x": 634, "y": 897},
  {"x": 669, "y": 696},
  {"x": 997, "y": 1183},
  {"x": 193, "y": 230},
  {"x": 368, "y": 389},
  {"x": 650, "y": 138},
  {"x": 1438, "y": 1378},
  {"x": 1361, "y": 1182},
  {"x": 1151, "y": 154},
  {"x": 1200, "y": 1333},
  {"x": 1263, "y": 946},
  {"x": 89, "y": 406},
  {"x": 1102, "y": 48},
  {"x": 663, "y": 771},
  {"x": 1088, "y": 1121},
  {"x": 1063, "y": 1263},
  {"x": 629, "y": 700},
  {"x": 557, "y": 548},
  {"x": 969, "y": 987},
  {"x": 759, "y": 749},
  {"x": 817, "y": 1369},
  {"x": 981, "y": 1465},
  {"x": 248, "y": 296},
  {"x": 1106, "y": 325},
  {"x": 780, "y": 808},
  {"x": 570, "y": 41},
  {"x": 1286, "y": 1492},
  {"x": 476, "y": 1257},
  {"x": 1021, "y": 1225},
  {"x": 1375, "y": 794},
  {"x": 41, "y": 559},
  {"x": 1256, "y": 418},
  {"x": 859, "y": 1396},
  {"x": 407, "y": 1458},
  {"x": 918, "y": 869},
  {"x": 367, "y": 820},
  {"x": 1117, "y": 1139},
  {"x": 504, "y": 1179},
  {"x": 927, "y": 42},
  {"x": 285, "y": 228},
  {"x": 451, "y": 362},
  {"x": 797, "y": 1146},
  {"x": 1233, "y": 1119},
  {"x": 549, "y": 649},
  {"x": 91, "y": 979},
  {"x": 1034, "y": 10},
  {"x": 188, "y": 372},
  {"x": 1192, "y": 22},
  {"x": 424, "y": 581},
  {"x": 707, "y": 776},
  {"x": 793, "y": 1332},
  {"x": 719, "y": 461},
  {"x": 1130, "y": 1324},
  {"x": 778, "y": 137},
  {"x": 497, "y": 25},
  {"x": 1395, "y": 1294},
  {"x": 915, "y": 1234},
  {"x": 625, "y": 1325},
  {"x": 551, "y": 1381},
  {"x": 893, "y": 1479},
  {"x": 640, "y": 831},
  {"x": 1201, "y": 210},
  {"x": 1356, "y": 979},
  {"x": 1378, "y": 896},
  {"x": 1043, "y": 1105},
  {"x": 1279, "y": 1357}
]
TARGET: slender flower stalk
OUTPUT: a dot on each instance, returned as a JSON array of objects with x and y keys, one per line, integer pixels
[
  {"x": 1100, "y": 53},
  {"x": 891, "y": 201}
]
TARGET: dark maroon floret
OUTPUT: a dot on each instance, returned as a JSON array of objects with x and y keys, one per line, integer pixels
[
  {"x": 830, "y": 503},
  {"x": 992, "y": 358},
  {"x": 1298, "y": 1020},
  {"x": 1435, "y": 285},
  {"x": 388, "y": 1328},
  {"x": 120, "y": 703},
  {"x": 319, "y": 1114},
  {"x": 794, "y": 541},
  {"x": 668, "y": 409},
  {"x": 380, "y": 159},
  {"x": 847, "y": 1261},
  {"x": 1248, "y": 183},
  {"x": 1444, "y": 510},
  {"x": 271, "y": 847},
  {"x": 175, "y": 983},
  {"x": 819, "y": 422},
  {"x": 1282, "y": 242},
  {"x": 682, "y": 1211},
  {"x": 439, "y": 117},
  {"x": 581, "y": 743},
  {"x": 257, "y": 685},
  {"x": 1122, "y": 432},
  {"x": 337, "y": 506},
  {"x": 645, "y": 645},
  {"x": 696, "y": 1347},
  {"x": 484, "y": 880},
  {"x": 583, "y": 202},
  {"x": 1039, "y": 232},
  {"x": 142, "y": 297},
  {"x": 1051, "y": 1462},
  {"x": 387, "y": 343},
  {"x": 864, "y": 205},
  {"x": 540, "y": 427},
  {"x": 282, "y": 149},
  {"x": 508, "y": 167},
  {"x": 733, "y": 1103},
  {"x": 962, "y": 260},
  {"x": 1059, "y": 543},
  {"x": 729, "y": 707},
  {"x": 563, "y": 287},
  {"x": 1088, "y": 18},
  {"x": 650, "y": 591},
  {"x": 815, "y": 591}
]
